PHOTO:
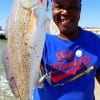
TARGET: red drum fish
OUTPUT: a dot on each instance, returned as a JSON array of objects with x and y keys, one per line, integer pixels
[{"x": 26, "y": 29}]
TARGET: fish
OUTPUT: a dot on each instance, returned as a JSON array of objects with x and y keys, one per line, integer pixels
[{"x": 26, "y": 31}]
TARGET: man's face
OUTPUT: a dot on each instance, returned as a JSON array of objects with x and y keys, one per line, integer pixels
[{"x": 66, "y": 14}]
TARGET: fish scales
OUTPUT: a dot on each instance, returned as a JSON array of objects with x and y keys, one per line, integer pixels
[
  {"x": 18, "y": 50},
  {"x": 24, "y": 27}
]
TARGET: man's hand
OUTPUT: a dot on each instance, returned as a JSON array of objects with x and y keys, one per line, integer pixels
[{"x": 9, "y": 73}]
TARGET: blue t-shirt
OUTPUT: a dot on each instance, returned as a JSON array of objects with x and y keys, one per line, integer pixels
[{"x": 72, "y": 66}]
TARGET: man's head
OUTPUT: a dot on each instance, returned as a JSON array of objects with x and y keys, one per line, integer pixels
[{"x": 66, "y": 14}]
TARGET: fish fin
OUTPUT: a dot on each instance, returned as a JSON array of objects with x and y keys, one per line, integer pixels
[{"x": 32, "y": 22}]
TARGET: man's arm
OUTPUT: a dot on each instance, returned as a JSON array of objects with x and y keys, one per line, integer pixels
[
  {"x": 98, "y": 78},
  {"x": 98, "y": 74}
]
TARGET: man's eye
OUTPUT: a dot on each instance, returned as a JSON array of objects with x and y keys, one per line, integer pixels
[
  {"x": 59, "y": 7},
  {"x": 73, "y": 8}
]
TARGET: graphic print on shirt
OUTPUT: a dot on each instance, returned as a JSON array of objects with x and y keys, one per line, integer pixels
[{"x": 69, "y": 64}]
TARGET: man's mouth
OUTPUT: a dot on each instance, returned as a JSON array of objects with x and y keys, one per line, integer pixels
[{"x": 65, "y": 21}]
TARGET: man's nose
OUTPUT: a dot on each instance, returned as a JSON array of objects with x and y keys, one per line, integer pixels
[{"x": 66, "y": 11}]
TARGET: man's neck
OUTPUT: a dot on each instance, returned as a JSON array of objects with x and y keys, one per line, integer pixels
[{"x": 71, "y": 35}]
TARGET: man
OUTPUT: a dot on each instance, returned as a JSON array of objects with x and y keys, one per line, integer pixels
[{"x": 71, "y": 59}]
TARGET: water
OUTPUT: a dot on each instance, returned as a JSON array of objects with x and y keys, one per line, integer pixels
[{"x": 5, "y": 92}]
